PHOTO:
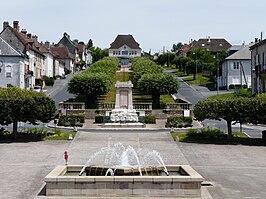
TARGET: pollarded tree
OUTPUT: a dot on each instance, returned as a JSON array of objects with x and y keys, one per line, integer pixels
[
  {"x": 240, "y": 110},
  {"x": 217, "y": 110},
  {"x": 18, "y": 105},
  {"x": 158, "y": 84},
  {"x": 91, "y": 85}
]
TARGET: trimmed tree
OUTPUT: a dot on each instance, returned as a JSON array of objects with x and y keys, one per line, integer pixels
[
  {"x": 18, "y": 105},
  {"x": 158, "y": 84},
  {"x": 240, "y": 110},
  {"x": 91, "y": 85}
]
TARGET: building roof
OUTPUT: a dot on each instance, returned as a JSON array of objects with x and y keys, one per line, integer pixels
[
  {"x": 212, "y": 44},
  {"x": 65, "y": 41},
  {"x": 27, "y": 42},
  {"x": 7, "y": 49},
  {"x": 81, "y": 48},
  {"x": 121, "y": 40},
  {"x": 62, "y": 52},
  {"x": 236, "y": 47},
  {"x": 258, "y": 44},
  {"x": 243, "y": 53}
]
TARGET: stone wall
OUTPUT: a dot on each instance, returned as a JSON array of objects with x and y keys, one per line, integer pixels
[{"x": 185, "y": 186}]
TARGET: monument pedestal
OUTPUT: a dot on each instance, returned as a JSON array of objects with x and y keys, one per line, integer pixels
[{"x": 124, "y": 115}]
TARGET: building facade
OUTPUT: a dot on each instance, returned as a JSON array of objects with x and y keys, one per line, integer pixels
[
  {"x": 236, "y": 69},
  {"x": 258, "y": 66},
  {"x": 124, "y": 47}
]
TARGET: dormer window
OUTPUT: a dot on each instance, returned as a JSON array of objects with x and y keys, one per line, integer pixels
[{"x": 125, "y": 47}]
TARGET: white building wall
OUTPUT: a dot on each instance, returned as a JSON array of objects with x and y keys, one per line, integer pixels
[
  {"x": 233, "y": 75},
  {"x": 48, "y": 65},
  {"x": 125, "y": 51}
]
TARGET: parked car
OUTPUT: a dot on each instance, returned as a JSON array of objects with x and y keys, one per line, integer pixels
[{"x": 37, "y": 88}]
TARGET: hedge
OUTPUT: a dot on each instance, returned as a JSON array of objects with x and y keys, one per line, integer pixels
[
  {"x": 178, "y": 122},
  {"x": 71, "y": 120}
]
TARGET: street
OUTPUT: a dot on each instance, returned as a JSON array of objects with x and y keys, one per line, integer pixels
[{"x": 195, "y": 93}]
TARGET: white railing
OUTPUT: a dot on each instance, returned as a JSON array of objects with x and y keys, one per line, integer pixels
[{"x": 72, "y": 105}]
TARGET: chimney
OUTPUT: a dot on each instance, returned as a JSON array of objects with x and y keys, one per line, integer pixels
[
  {"x": 24, "y": 32},
  {"x": 47, "y": 44},
  {"x": 35, "y": 39},
  {"x": 5, "y": 24},
  {"x": 209, "y": 39},
  {"x": 16, "y": 25},
  {"x": 66, "y": 35},
  {"x": 29, "y": 35}
]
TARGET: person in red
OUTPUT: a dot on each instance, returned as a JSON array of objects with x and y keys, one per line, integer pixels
[{"x": 66, "y": 157}]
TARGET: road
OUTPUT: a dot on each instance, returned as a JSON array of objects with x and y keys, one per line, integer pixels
[
  {"x": 59, "y": 91},
  {"x": 195, "y": 93}
]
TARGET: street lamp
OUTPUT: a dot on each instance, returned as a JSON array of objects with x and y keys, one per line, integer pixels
[
  {"x": 196, "y": 72},
  {"x": 217, "y": 75}
]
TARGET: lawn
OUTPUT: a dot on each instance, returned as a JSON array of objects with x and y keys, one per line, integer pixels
[
  {"x": 222, "y": 96},
  {"x": 36, "y": 134},
  {"x": 137, "y": 96},
  {"x": 201, "y": 80},
  {"x": 209, "y": 138}
]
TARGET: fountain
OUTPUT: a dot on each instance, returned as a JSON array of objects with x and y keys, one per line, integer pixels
[
  {"x": 124, "y": 115},
  {"x": 120, "y": 171}
]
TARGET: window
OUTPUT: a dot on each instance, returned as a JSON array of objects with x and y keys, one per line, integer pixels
[
  {"x": 8, "y": 71},
  {"x": 124, "y": 52},
  {"x": 263, "y": 59},
  {"x": 235, "y": 65},
  {"x": 113, "y": 52}
]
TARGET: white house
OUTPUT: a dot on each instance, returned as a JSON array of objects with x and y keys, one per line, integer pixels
[
  {"x": 13, "y": 65},
  {"x": 124, "y": 47},
  {"x": 236, "y": 69},
  {"x": 24, "y": 44}
]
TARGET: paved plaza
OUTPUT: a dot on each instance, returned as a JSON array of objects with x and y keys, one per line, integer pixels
[{"x": 234, "y": 171}]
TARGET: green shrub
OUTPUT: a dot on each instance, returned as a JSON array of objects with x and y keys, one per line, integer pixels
[
  {"x": 67, "y": 71},
  {"x": 150, "y": 120},
  {"x": 243, "y": 93},
  {"x": 49, "y": 81},
  {"x": 206, "y": 134},
  {"x": 71, "y": 120},
  {"x": 99, "y": 119},
  {"x": 178, "y": 122}
]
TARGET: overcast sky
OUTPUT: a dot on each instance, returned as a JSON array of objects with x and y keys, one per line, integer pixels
[{"x": 153, "y": 23}]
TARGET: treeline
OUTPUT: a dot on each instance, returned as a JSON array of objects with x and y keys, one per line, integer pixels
[
  {"x": 95, "y": 81},
  {"x": 194, "y": 62},
  {"x": 151, "y": 79}
]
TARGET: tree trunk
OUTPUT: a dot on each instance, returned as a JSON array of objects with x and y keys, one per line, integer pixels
[
  {"x": 229, "y": 129},
  {"x": 156, "y": 101},
  {"x": 15, "y": 130},
  {"x": 194, "y": 76}
]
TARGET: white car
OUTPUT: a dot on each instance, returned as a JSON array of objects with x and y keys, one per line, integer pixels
[{"x": 37, "y": 88}]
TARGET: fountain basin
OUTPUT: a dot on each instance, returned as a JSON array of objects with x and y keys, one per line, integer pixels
[{"x": 187, "y": 184}]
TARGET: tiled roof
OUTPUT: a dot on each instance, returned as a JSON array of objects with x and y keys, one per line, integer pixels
[
  {"x": 121, "y": 40},
  {"x": 43, "y": 48},
  {"x": 212, "y": 44},
  {"x": 62, "y": 52},
  {"x": 28, "y": 43},
  {"x": 81, "y": 48}
]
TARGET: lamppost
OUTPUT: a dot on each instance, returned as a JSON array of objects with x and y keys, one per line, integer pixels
[
  {"x": 217, "y": 75},
  {"x": 196, "y": 71}
]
